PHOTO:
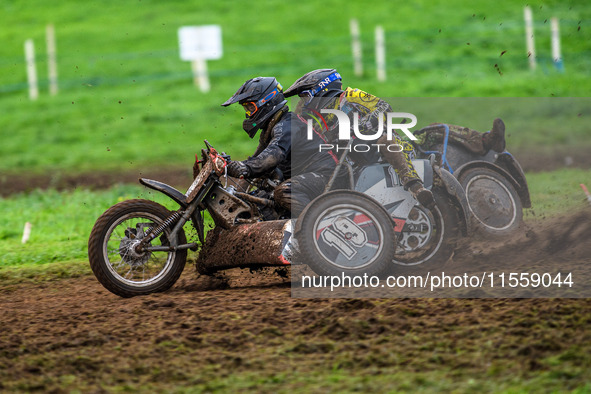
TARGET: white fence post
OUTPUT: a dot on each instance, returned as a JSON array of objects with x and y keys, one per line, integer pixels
[
  {"x": 356, "y": 47},
  {"x": 26, "y": 233},
  {"x": 380, "y": 53},
  {"x": 51, "y": 59},
  {"x": 31, "y": 69},
  {"x": 200, "y": 76},
  {"x": 556, "y": 55},
  {"x": 529, "y": 37}
]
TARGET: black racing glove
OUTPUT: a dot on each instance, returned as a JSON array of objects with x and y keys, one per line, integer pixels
[{"x": 238, "y": 169}]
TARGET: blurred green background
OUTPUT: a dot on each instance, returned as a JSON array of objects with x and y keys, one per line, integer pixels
[{"x": 127, "y": 101}]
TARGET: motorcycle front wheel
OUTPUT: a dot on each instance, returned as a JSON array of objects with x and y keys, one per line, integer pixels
[{"x": 115, "y": 260}]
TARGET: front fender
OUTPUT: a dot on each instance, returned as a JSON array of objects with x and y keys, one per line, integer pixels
[
  {"x": 507, "y": 161},
  {"x": 518, "y": 181},
  {"x": 456, "y": 191},
  {"x": 170, "y": 191}
]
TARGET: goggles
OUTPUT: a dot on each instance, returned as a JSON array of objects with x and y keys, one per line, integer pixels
[{"x": 251, "y": 107}]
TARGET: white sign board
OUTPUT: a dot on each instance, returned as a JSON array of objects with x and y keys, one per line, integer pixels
[{"x": 200, "y": 42}]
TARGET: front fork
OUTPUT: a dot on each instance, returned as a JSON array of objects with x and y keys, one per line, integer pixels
[{"x": 180, "y": 218}]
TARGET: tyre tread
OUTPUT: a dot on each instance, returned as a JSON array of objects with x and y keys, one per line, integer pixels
[{"x": 97, "y": 260}]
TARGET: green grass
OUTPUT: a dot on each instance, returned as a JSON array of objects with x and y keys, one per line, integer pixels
[
  {"x": 538, "y": 124},
  {"x": 62, "y": 221},
  {"x": 557, "y": 192},
  {"x": 389, "y": 380},
  {"x": 126, "y": 100}
]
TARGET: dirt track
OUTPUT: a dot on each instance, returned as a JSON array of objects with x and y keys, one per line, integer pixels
[
  {"x": 73, "y": 334},
  {"x": 181, "y": 177}
]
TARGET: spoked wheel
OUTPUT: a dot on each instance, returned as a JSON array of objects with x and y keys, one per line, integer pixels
[
  {"x": 119, "y": 265},
  {"x": 346, "y": 232},
  {"x": 429, "y": 237},
  {"x": 493, "y": 201}
]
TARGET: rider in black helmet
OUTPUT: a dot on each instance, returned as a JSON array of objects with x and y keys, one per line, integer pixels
[
  {"x": 264, "y": 104},
  {"x": 266, "y": 110},
  {"x": 322, "y": 89},
  {"x": 261, "y": 97}
]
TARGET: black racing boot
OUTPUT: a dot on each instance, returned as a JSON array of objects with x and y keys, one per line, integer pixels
[
  {"x": 495, "y": 139},
  {"x": 422, "y": 195}
]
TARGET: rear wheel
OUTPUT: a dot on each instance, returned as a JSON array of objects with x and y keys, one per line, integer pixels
[
  {"x": 115, "y": 259},
  {"x": 346, "y": 232},
  {"x": 494, "y": 203},
  {"x": 429, "y": 237}
]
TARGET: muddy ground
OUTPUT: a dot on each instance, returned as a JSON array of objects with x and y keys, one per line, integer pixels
[
  {"x": 181, "y": 177},
  {"x": 247, "y": 333}
]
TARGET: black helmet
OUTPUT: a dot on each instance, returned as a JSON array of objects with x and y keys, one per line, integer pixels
[
  {"x": 261, "y": 98},
  {"x": 316, "y": 83}
]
